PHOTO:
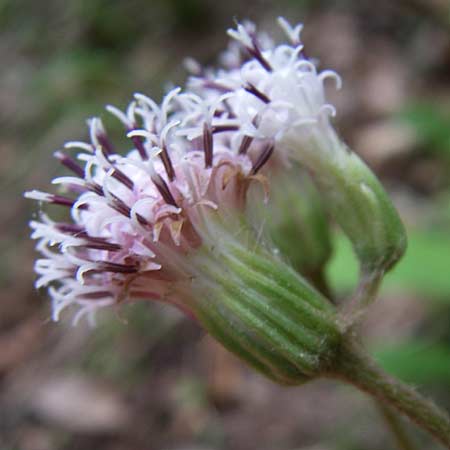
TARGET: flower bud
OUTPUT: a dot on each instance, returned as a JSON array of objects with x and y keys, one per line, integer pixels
[{"x": 355, "y": 198}]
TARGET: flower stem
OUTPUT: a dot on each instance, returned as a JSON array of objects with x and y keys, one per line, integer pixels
[
  {"x": 393, "y": 422},
  {"x": 366, "y": 293},
  {"x": 391, "y": 417},
  {"x": 357, "y": 368}
]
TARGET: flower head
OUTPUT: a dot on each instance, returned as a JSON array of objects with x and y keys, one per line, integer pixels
[
  {"x": 134, "y": 217},
  {"x": 275, "y": 93},
  {"x": 277, "y": 96}
]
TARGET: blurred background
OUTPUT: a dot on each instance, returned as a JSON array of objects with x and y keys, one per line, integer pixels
[{"x": 148, "y": 378}]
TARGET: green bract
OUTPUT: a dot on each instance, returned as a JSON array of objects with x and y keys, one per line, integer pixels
[
  {"x": 354, "y": 197},
  {"x": 259, "y": 308}
]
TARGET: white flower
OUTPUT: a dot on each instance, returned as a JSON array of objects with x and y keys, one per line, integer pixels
[
  {"x": 277, "y": 94},
  {"x": 136, "y": 218}
]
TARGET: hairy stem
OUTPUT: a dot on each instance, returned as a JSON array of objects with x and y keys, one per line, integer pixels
[
  {"x": 395, "y": 426},
  {"x": 391, "y": 417},
  {"x": 353, "y": 311},
  {"x": 356, "y": 367}
]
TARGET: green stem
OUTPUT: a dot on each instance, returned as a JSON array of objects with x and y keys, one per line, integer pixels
[
  {"x": 353, "y": 311},
  {"x": 395, "y": 426},
  {"x": 391, "y": 418},
  {"x": 357, "y": 368}
]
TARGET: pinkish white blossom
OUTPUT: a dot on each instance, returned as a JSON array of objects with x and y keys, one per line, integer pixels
[
  {"x": 136, "y": 218},
  {"x": 276, "y": 94}
]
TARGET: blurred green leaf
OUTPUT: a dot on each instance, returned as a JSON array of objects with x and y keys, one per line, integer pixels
[
  {"x": 424, "y": 268},
  {"x": 417, "y": 361},
  {"x": 432, "y": 126}
]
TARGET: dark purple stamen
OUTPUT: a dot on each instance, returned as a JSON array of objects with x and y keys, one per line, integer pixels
[
  {"x": 61, "y": 200},
  {"x": 94, "y": 187},
  {"x": 70, "y": 228},
  {"x": 120, "y": 206},
  {"x": 142, "y": 220},
  {"x": 103, "y": 246},
  {"x": 255, "y": 51},
  {"x": 70, "y": 163},
  {"x": 229, "y": 109},
  {"x": 163, "y": 189},
  {"x": 252, "y": 89},
  {"x": 118, "y": 174},
  {"x": 65, "y": 201},
  {"x": 208, "y": 145},
  {"x": 105, "y": 143},
  {"x": 122, "y": 178},
  {"x": 95, "y": 295},
  {"x": 138, "y": 144},
  {"x": 222, "y": 128},
  {"x": 107, "y": 266},
  {"x": 256, "y": 120},
  {"x": 93, "y": 242},
  {"x": 262, "y": 159},
  {"x": 210, "y": 84},
  {"x": 245, "y": 144},
  {"x": 137, "y": 141},
  {"x": 165, "y": 158},
  {"x": 99, "y": 240}
]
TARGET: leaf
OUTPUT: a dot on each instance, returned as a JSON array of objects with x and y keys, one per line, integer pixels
[
  {"x": 425, "y": 268},
  {"x": 416, "y": 361},
  {"x": 431, "y": 125}
]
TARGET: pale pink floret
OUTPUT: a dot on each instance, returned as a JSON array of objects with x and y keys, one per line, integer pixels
[
  {"x": 276, "y": 93},
  {"x": 131, "y": 214}
]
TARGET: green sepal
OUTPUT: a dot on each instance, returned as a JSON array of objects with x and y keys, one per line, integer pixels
[{"x": 263, "y": 311}]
